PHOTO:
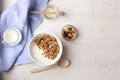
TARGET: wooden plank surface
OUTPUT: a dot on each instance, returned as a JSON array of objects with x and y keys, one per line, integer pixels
[{"x": 94, "y": 55}]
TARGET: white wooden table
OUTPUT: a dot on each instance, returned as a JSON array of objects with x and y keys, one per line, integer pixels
[{"x": 94, "y": 55}]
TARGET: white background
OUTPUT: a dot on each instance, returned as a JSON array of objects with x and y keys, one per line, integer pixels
[{"x": 94, "y": 55}]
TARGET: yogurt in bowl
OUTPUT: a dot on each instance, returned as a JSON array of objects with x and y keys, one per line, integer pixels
[
  {"x": 12, "y": 36},
  {"x": 41, "y": 49}
]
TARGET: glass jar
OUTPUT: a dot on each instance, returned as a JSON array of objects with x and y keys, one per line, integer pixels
[{"x": 11, "y": 36}]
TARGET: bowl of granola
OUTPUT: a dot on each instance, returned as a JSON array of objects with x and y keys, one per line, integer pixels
[
  {"x": 45, "y": 49},
  {"x": 69, "y": 32}
]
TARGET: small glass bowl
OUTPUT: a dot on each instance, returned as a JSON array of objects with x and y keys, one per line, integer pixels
[
  {"x": 51, "y": 12},
  {"x": 69, "y": 32},
  {"x": 11, "y": 37}
]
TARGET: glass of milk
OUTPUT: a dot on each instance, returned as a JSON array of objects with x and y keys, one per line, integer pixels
[{"x": 12, "y": 36}]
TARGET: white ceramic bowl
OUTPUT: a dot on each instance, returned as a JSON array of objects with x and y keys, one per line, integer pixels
[{"x": 37, "y": 56}]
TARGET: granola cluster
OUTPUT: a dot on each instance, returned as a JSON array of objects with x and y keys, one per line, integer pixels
[{"x": 49, "y": 45}]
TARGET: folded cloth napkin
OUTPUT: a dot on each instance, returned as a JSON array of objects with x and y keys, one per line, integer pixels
[{"x": 18, "y": 16}]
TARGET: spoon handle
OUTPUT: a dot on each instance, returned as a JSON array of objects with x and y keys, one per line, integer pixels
[
  {"x": 61, "y": 13},
  {"x": 43, "y": 68},
  {"x": 37, "y": 12}
]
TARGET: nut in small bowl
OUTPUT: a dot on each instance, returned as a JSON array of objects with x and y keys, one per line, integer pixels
[{"x": 69, "y": 32}]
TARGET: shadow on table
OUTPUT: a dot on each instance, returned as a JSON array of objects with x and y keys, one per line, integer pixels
[
  {"x": 65, "y": 52},
  {"x": 1, "y": 5},
  {"x": 1, "y": 77}
]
